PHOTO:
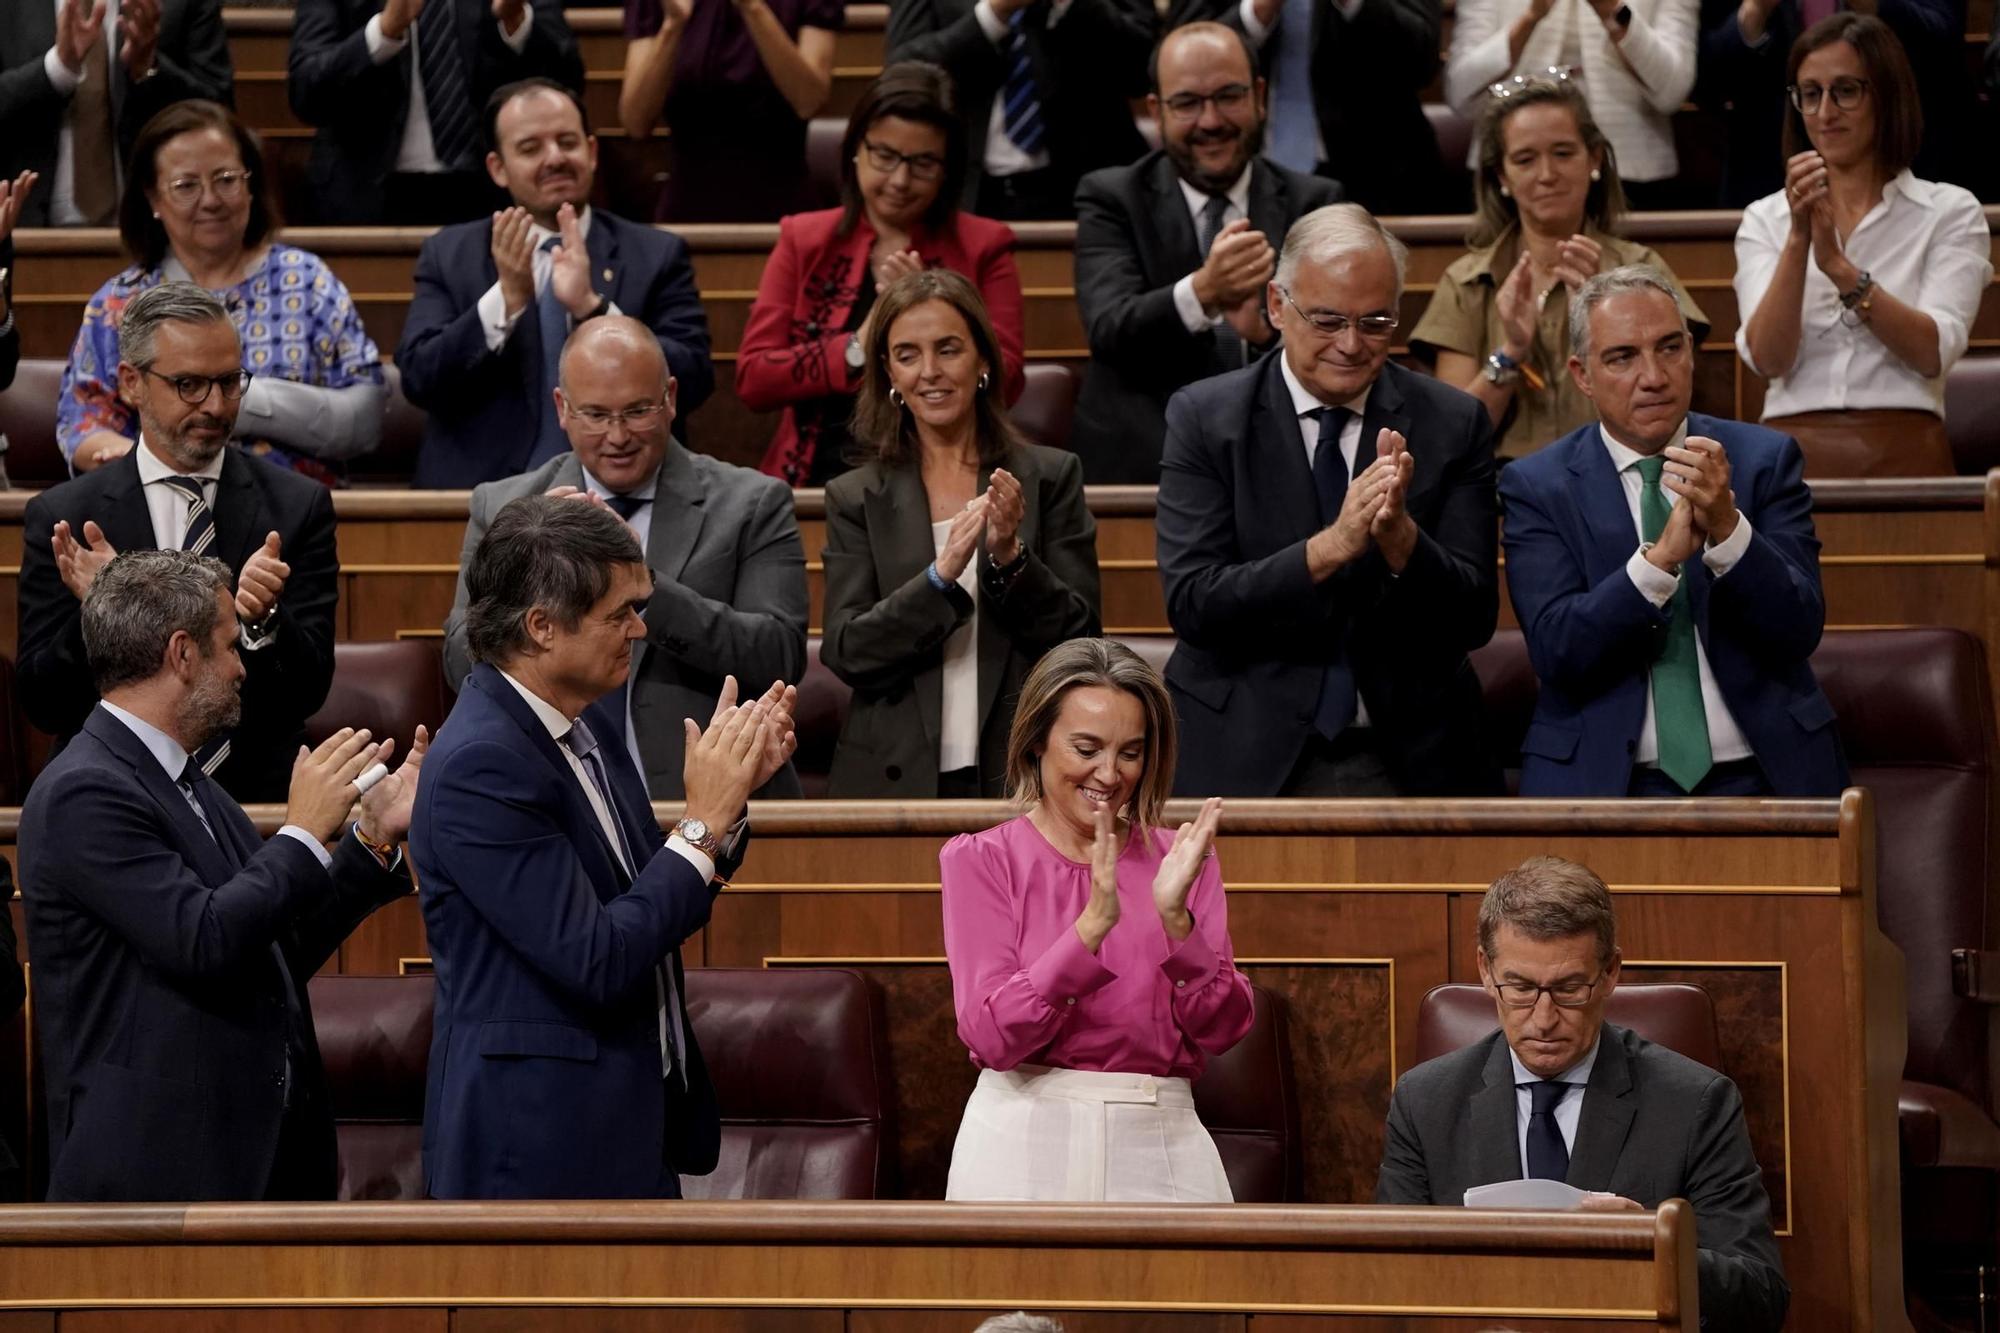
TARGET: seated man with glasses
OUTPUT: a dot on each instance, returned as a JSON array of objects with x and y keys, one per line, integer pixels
[
  {"x": 1559, "y": 1094},
  {"x": 1174, "y": 251},
  {"x": 180, "y": 367},
  {"x": 729, "y": 570},
  {"x": 1327, "y": 537}
]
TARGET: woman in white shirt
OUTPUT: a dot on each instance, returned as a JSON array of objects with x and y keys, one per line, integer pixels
[
  {"x": 1859, "y": 281},
  {"x": 1634, "y": 59},
  {"x": 956, "y": 555}
]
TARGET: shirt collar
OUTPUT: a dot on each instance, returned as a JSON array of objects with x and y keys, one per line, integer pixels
[
  {"x": 164, "y": 748},
  {"x": 1303, "y": 400},
  {"x": 545, "y": 712},
  {"x": 645, "y": 490},
  {"x": 1623, "y": 456},
  {"x": 152, "y": 469},
  {"x": 1239, "y": 193},
  {"x": 1578, "y": 1073},
  {"x": 541, "y": 233}
]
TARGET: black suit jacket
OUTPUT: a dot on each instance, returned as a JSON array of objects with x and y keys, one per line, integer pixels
[
  {"x": 163, "y": 1012},
  {"x": 1236, "y": 506},
  {"x": 192, "y": 60},
  {"x": 285, "y": 683},
  {"x": 1088, "y": 67},
  {"x": 485, "y": 407},
  {"x": 1134, "y": 240},
  {"x": 1654, "y": 1126},
  {"x": 359, "y": 107},
  {"x": 1368, "y": 74}
]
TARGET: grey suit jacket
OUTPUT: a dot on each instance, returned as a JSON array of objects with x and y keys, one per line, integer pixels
[
  {"x": 1654, "y": 1126},
  {"x": 729, "y": 597}
]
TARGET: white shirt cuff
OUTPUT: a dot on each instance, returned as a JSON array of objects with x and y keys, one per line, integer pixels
[
  {"x": 1348, "y": 8},
  {"x": 493, "y": 318},
  {"x": 1057, "y": 8},
  {"x": 318, "y": 850},
  {"x": 1723, "y": 555},
  {"x": 381, "y": 47},
  {"x": 1189, "y": 305},
  {"x": 250, "y": 643},
  {"x": 517, "y": 40},
  {"x": 693, "y": 855},
  {"x": 61, "y": 77},
  {"x": 1654, "y": 584},
  {"x": 1254, "y": 30},
  {"x": 1763, "y": 38},
  {"x": 991, "y": 23}
]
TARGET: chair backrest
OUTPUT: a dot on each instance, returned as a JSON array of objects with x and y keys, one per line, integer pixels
[
  {"x": 821, "y": 712},
  {"x": 375, "y": 1041},
  {"x": 1675, "y": 1015},
  {"x": 800, "y": 1062},
  {"x": 1047, "y": 404},
  {"x": 1248, "y": 1100},
  {"x": 823, "y": 137},
  {"x": 1972, "y": 413},
  {"x": 394, "y": 460},
  {"x": 388, "y": 687},
  {"x": 28, "y": 420},
  {"x": 1508, "y": 688}
]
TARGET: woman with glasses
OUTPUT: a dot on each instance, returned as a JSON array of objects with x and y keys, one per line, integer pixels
[
  {"x": 196, "y": 208},
  {"x": 955, "y": 556},
  {"x": 1549, "y": 197},
  {"x": 902, "y": 171},
  {"x": 1858, "y": 281}
]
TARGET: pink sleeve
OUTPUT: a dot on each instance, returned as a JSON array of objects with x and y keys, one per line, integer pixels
[
  {"x": 1008, "y": 1006},
  {"x": 1211, "y": 998}
]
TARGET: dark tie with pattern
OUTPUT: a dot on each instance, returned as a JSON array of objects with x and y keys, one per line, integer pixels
[
  {"x": 1548, "y": 1155},
  {"x": 1228, "y": 342},
  {"x": 1336, "y": 709},
  {"x": 1022, "y": 101},
  {"x": 454, "y": 133},
  {"x": 627, "y": 505},
  {"x": 200, "y": 518},
  {"x": 554, "y": 324}
]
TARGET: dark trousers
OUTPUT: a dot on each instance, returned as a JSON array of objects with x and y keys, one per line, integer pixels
[
  {"x": 1027, "y": 196},
  {"x": 438, "y": 199},
  {"x": 1351, "y": 764},
  {"x": 1738, "y": 777}
]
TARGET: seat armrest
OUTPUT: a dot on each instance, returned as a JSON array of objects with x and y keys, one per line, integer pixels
[{"x": 1975, "y": 974}]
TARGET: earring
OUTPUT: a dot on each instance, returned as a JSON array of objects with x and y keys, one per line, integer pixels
[
  {"x": 896, "y": 397},
  {"x": 1596, "y": 175},
  {"x": 1506, "y": 193},
  {"x": 983, "y": 380}
]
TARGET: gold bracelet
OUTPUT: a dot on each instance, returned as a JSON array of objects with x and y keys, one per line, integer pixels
[{"x": 385, "y": 852}]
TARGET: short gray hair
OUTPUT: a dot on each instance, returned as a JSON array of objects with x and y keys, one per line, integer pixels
[
  {"x": 136, "y": 605},
  {"x": 1327, "y": 233},
  {"x": 1019, "y": 1322},
  {"x": 1601, "y": 288},
  {"x": 557, "y": 554},
  {"x": 1549, "y": 898},
  {"x": 168, "y": 303}
]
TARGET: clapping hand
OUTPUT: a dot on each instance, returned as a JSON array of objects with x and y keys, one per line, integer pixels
[
  {"x": 514, "y": 257},
  {"x": 569, "y": 272},
  {"x": 1181, "y": 865},
  {"x": 322, "y": 790},
  {"x": 509, "y": 13},
  {"x": 1004, "y": 511},
  {"x": 78, "y": 31},
  {"x": 79, "y": 562},
  {"x": 13, "y": 196},
  {"x": 1100, "y": 914},
  {"x": 1698, "y": 472},
  {"x": 894, "y": 264},
  {"x": 1518, "y": 309},
  {"x": 1578, "y": 258},
  {"x": 262, "y": 581},
  {"x": 962, "y": 540},
  {"x": 1393, "y": 530},
  {"x": 722, "y": 764},
  {"x": 138, "y": 36},
  {"x": 385, "y": 807}
]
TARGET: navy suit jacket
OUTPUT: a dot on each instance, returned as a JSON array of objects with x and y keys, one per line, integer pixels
[
  {"x": 545, "y": 1075},
  {"x": 486, "y": 407},
  {"x": 161, "y": 1006},
  {"x": 1592, "y": 635}
]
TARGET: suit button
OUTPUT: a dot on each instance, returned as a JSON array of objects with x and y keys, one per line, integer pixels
[{"x": 894, "y": 772}]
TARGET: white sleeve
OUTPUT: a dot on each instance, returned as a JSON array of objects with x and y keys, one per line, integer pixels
[
  {"x": 1189, "y": 305},
  {"x": 517, "y": 40},
  {"x": 1654, "y": 584},
  {"x": 1956, "y": 272},
  {"x": 382, "y": 49},
  {"x": 1756, "y": 260},
  {"x": 1246, "y": 13},
  {"x": 1722, "y": 557},
  {"x": 493, "y": 318},
  {"x": 990, "y": 23},
  {"x": 1478, "y": 56},
  {"x": 1661, "y": 51},
  {"x": 65, "y": 80}
]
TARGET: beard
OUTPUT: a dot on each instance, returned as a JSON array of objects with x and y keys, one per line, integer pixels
[
  {"x": 1249, "y": 142},
  {"x": 208, "y": 710},
  {"x": 183, "y": 448}
]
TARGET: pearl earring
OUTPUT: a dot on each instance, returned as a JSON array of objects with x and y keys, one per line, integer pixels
[
  {"x": 1595, "y": 174},
  {"x": 1506, "y": 193}
]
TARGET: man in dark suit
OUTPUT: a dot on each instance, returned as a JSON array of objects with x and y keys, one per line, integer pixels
[
  {"x": 78, "y": 80},
  {"x": 1559, "y": 1094},
  {"x": 563, "y": 1065},
  {"x": 396, "y": 89},
  {"x": 181, "y": 367},
  {"x": 495, "y": 300},
  {"x": 1665, "y": 573},
  {"x": 171, "y": 948},
  {"x": 1173, "y": 252},
  {"x": 1327, "y": 538},
  {"x": 729, "y": 570},
  {"x": 1044, "y": 89},
  {"x": 1346, "y": 80}
]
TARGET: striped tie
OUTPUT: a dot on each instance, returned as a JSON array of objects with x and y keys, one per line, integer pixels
[
  {"x": 201, "y": 519},
  {"x": 454, "y": 135},
  {"x": 1023, "y": 106}
]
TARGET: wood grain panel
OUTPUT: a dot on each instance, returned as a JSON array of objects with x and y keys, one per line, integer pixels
[
  {"x": 1072, "y": 1321},
  {"x": 322, "y": 1320},
  {"x": 530, "y": 1320}
]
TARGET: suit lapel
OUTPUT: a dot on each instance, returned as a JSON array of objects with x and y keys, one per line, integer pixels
[
  {"x": 603, "y": 246},
  {"x": 679, "y": 502},
  {"x": 1270, "y": 202},
  {"x": 127, "y": 521},
  {"x": 899, "y": 517},
  {"x": 1178, "y": 239},
  {"x": 1284, "y": 478},
  {"x": 201, "y": 851},
  {"x": 1599, "y": 497},
  {"x": 236, "y": 511},
  {"x": 1607, "y": 1115},
  {"x": 1384, "y": 412},
  {"x": 1496, "y": 1124}
]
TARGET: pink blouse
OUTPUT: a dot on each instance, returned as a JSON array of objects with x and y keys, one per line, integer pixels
[{"x": 1027, "y": 990}]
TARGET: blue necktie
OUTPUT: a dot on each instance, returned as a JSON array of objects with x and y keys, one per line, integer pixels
[
  {"x": 1336, "y": 709},
  {"x": 553, "y": 322},
  {"x": 454, "y": 133},
  {"x": 1548, "y": 1155},
  {"x": 1294, "y": 121},
  {"x": 1021, "y": 99}
]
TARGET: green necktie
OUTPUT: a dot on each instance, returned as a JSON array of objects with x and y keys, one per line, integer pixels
[{"x": 1680, "y": 721}]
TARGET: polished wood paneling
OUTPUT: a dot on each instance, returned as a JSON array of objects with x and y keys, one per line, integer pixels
[
  {"x": 530, "y": 1320},
  {"x": 321, "y": 1320}
]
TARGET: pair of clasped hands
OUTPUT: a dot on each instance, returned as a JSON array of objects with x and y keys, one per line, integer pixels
[
  {"x": 258, "y": 587},
  {"x": 80, "y": 25},
  {"x": 1698, "y": 472},
  {"x": 1171, "y": 882},
  {"x": 996, "y": 514},
  {"x": 1372, "y": 514},
  {"x": 1809, "y": 195}
]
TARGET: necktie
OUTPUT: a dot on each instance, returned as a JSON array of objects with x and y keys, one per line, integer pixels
[
  {"x": 454, "y": 133},
  {"x": 1294, "y": 121},
  {"x": 627, "y": 505},
  {"x": 553, "y": 322},
  {"x": 93, "y": 138},
  {"x": 1021, "y": 99},
  {"x": 1548, "y": 1155},
  {"x": 200, "y": 518},
  {"x": 1680, "y": 721},
  {"x": 1335, "y": 712},
  {"x": 1228, "y": 343}
]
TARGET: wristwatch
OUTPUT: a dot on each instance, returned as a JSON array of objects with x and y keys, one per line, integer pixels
[
  {"x": 853, "y": 355},
  {"x": 1501, "y": 368},
  {"x": 697, "y": 834}
]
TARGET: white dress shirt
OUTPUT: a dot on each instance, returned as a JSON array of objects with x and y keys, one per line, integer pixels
[
  {"x": 1192, "y": 315},
  {"x": 493, "y": 316},
  {"x": 168, "y": 508},
  {"x": 1925, "y": 242},
  {"x": 1303, "y": 402},
  {"x": 1569, "y": 1111},
  {"x": 62, "y": 189},
  {"x": 958, "y": 721},
  {"x": 417, "y": 152},
  {"x": 1726, "y": 741},
  {"x": 1003, "y": 156},
  {"x": 1259, "y": 33}
]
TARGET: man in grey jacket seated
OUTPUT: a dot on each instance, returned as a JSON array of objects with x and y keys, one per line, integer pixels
[
  {"x": 729, "y": 569},
  {"x": 1559, "y": 1094}
]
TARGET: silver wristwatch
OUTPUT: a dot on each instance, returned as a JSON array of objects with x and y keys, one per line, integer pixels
[{"x": 697, "y": 834}]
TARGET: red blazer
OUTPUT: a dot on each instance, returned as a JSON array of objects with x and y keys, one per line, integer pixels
[{"x": 795, "y": 344}]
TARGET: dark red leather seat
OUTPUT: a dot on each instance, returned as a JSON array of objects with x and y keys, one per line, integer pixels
[
  {"x": 1248, "y": 1100},
  {"x": 1972, "y": 414},
  {"x": 375, "y": 1042},
  {"x": 388, "y": 687},
  {"x": 28, "y": 420},
  {"x": 822, "y": 709},
  {"x": 394, "y": 461},
  {"x": 1047, "y": 403},
  {"x": 1675, "y": 1015}
]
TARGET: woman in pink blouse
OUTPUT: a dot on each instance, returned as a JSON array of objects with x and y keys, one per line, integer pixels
[{"x": 1091, "y": 968}]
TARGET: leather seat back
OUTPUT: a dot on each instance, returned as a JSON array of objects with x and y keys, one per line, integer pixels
[
  {"x": 375, "y": 1042},
  {"x": 388, "y": 687},
  {"x": 1248, "y": 1100},
  {"x": 28, "y": 420}
]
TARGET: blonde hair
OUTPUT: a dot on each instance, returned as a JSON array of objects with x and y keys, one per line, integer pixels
[{"x": 1112, "y": 666}]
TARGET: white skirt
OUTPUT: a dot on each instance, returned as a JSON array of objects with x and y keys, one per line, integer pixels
[{"x": 1049, "y": 1135}]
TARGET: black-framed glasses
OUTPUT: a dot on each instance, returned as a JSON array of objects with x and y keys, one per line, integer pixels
[
  {"x": 194, "y": 389},
  {"x": 1520, "y": 83},
  {"x": 923, "y": 166},
  {"x": 597, "y": 421},
  {"x": 229, "y": 186},
  {"x": 1567, "y": 994},
  {"x": 1229, "y": 99},
  {"x": 1332, "y": 324},
  {"x": 1846, "y": 93}
]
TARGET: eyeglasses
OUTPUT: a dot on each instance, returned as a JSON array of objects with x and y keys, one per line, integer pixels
[
  {"x": 597, "y": 421},
  {"x": 1846, "y": 94},
  {"x": 229, "y": 186},
  {"x": 1328, "y": 324},
  {"x": 1521, "y": 83},
  {"x": 1566, "y": 994},
  {"x": 1229, "y": 99},
  {"x": 194, "y": 389},
  {"x": 923, "y": 166}
]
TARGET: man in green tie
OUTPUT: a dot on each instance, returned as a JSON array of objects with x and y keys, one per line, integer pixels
[{"x": 1665, "y": 573}]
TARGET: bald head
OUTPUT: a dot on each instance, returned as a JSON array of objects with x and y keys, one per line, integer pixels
[
  {"x": 616, "y": 400},
  {"x": 615, "y": 339}
]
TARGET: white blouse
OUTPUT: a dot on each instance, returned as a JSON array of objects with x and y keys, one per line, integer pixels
[
  {"x": 958, "y": 722},
  {"x": 1926, "y": 243}
]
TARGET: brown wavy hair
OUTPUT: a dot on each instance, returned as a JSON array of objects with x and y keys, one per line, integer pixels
[
  {"x": 914, "y": 90},
  {"x": 883, "y": 429},
  {"x": 1494, "y": 212},
  {"x": 1899, "y": 113},
  {"x": 1113, "y": 666},
  {"x": 145, "y": 239}
]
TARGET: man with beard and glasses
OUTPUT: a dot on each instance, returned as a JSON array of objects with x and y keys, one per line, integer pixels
[
  {"x": 181, "y": 368},
  {"x": 496, "y": 299},
  {"x": 171, "y": 947},
  {"x": 1173, "y": 253}
]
